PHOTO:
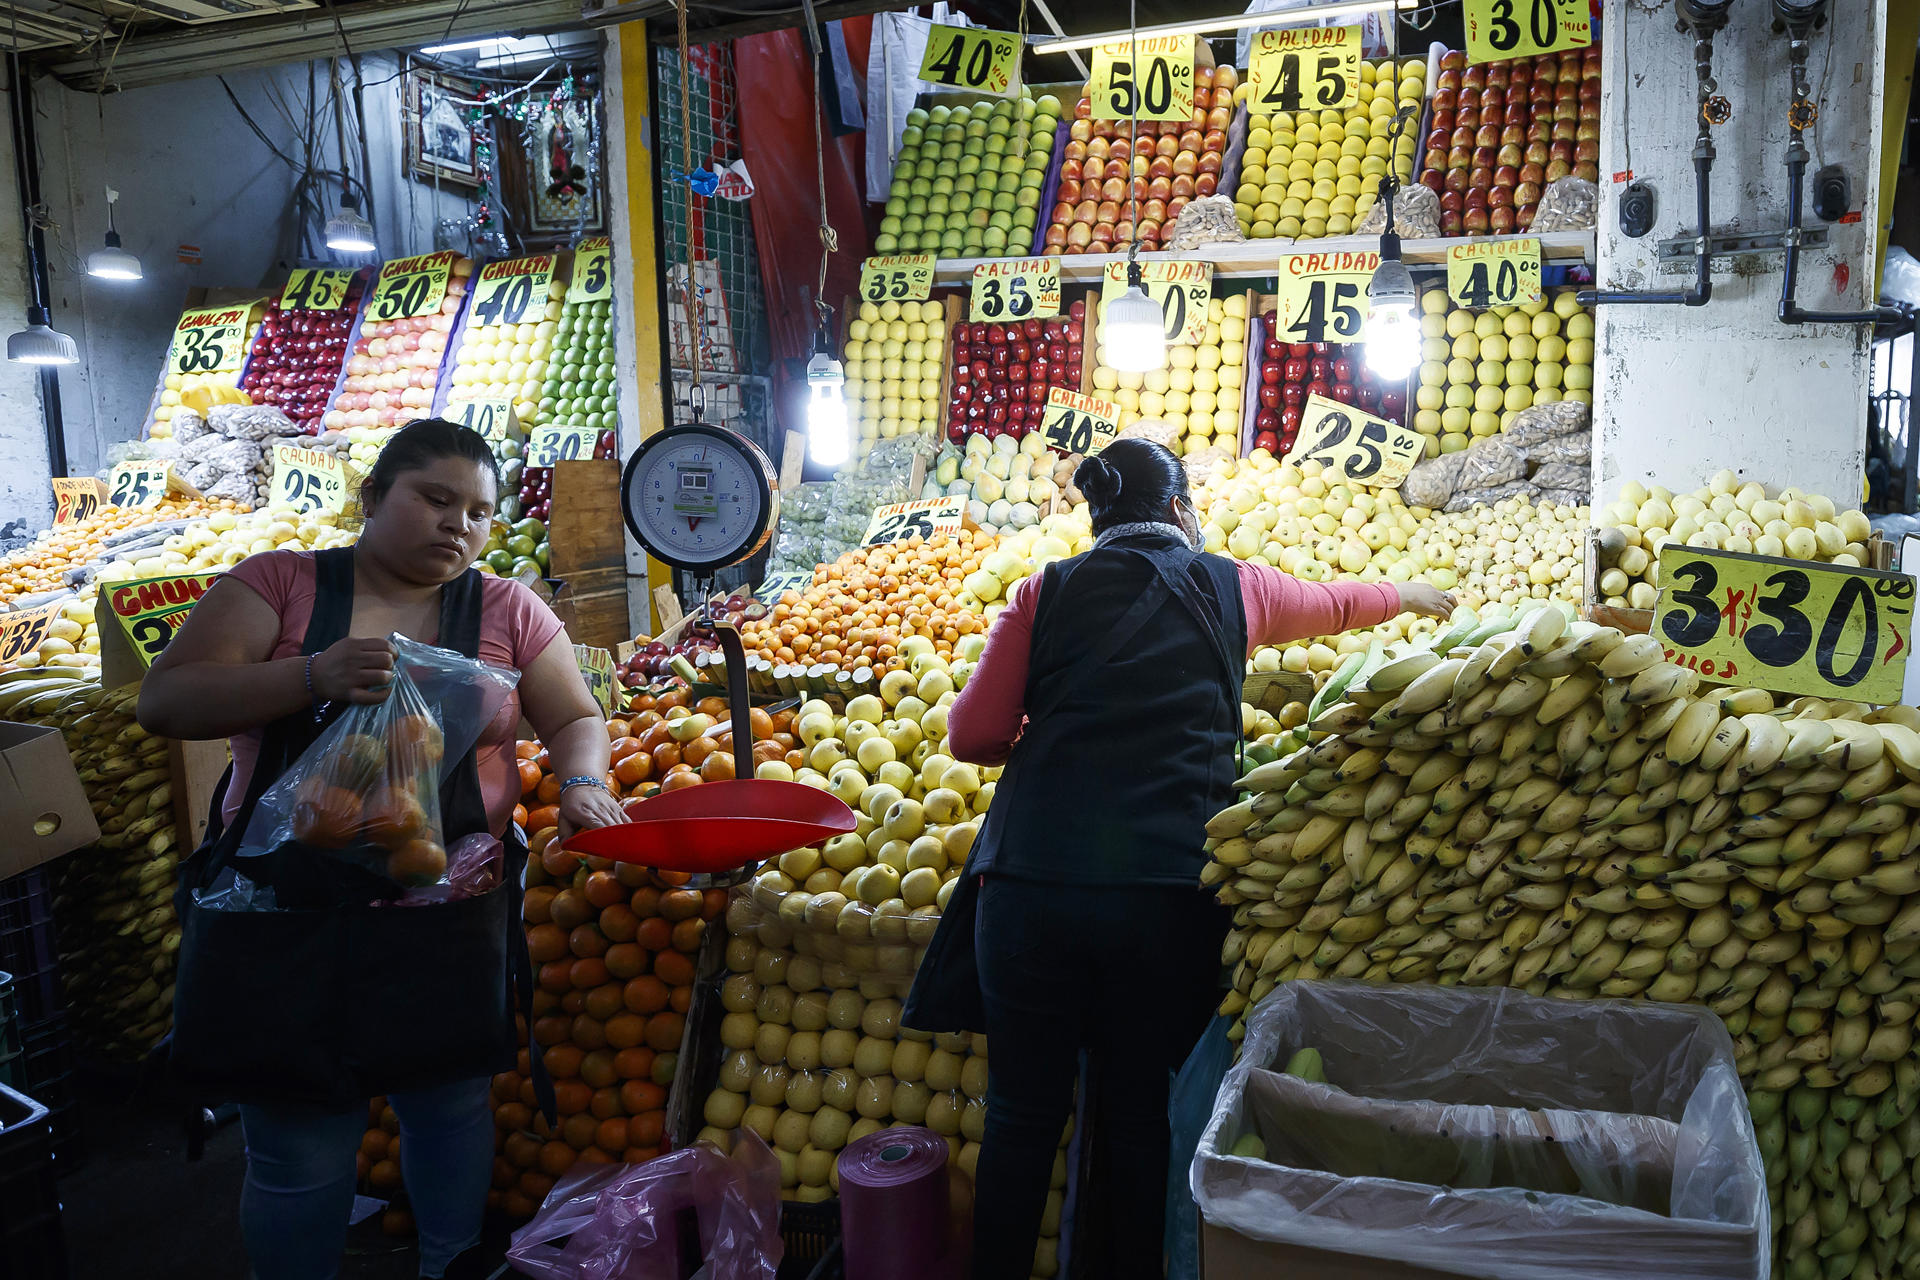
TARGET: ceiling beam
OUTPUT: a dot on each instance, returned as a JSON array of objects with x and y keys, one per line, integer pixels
[{"x": 667, "y": 33}]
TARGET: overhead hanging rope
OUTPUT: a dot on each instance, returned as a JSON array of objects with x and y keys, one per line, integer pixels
[{"x": 695, "y": 313}]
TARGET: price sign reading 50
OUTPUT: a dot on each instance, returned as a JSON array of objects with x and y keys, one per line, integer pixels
[
  {"x": 1154, "y": 83},
  {"x": 1183, "y": 290},
  {"x": 1791, "y": 626},
  {"x": 411, "y": 287}
]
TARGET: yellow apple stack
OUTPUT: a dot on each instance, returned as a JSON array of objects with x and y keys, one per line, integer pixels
[
  {"x": 1199, "y": 393},
  {"x": 1480, "y": 368},
  {"x": 893, "y": 358},
  {"x": 508, "y": 361}
]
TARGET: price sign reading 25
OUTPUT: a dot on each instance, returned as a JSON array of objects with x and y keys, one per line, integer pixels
[
  {"x": 1792, "y": 626},
  {"x": 899, "y": 521},
  {"x": 1365, "y": 449}
]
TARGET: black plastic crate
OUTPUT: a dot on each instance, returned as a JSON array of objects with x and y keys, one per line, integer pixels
[
  {"x": 811, "y": 1233},
  {"x": 31, "y": 1245},
  {"x": 47, "y": 1055},
  {"x": 28, "y": 948},
  {"x": 12, "y": 1064}
]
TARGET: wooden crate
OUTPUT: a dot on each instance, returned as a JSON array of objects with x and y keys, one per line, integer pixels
[{"x": 587, "y": 540}]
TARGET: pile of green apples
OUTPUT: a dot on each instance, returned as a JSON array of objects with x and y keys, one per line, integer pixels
[
  {"x": 968, "y": 179},
  {"x": 580, "y": 389},
  {"x": 514, "y": 548}
]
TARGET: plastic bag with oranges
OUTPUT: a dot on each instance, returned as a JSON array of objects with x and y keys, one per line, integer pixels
[{"x": 357, "y": 818}]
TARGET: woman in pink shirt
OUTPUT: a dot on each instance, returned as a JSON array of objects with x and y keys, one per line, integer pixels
[
  {"x": 1110, "y": 690},
  {"x": 301, "y": 1013}
]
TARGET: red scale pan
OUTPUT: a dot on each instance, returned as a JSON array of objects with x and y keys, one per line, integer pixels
[{"x": 721, "y": 829}]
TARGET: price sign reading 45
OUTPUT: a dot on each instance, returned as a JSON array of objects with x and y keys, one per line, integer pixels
[
  {"x": 1494, "y": 273},
  {"x": 1182, "y": 289},
  {"x": 1076, "y": 423},
  {"x": 316, "y": 289},
  {"x": 903, "y": 277},
  {"x": 1500, "y": 29},
  {"x": 971, "y": 58},
  {"x": 561, "y": 444},
  {"x": 1365, "y": 449},
  {"x": 902, "y": 520},
  {"x": 411, "y": 286},
  {"x": 1305, "y": 68},
  {"x": 139, "y": 484},
  {"x": 592, "y": 271},
  {"x": 513, "y": 292},
  {"x": 1322, "y": 297},
  {"x": 1158, "y": 86},
  {"x": 1015, "y": 289},
  {"x": 210, "y": 340},
  {"x": 1791, "y": 626},
  {"x": 75, "y": 498}
]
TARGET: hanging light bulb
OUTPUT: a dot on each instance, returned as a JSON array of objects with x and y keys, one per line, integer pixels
[
  {"x": 1133, "y": 329},
  {"x": 40, "y": 342},
  {"x": 347, "y": 231},
  {"x": 1393, "y": 335},
  {"x": 827, "y": 432},
  {"x": 113, "y": 262}
]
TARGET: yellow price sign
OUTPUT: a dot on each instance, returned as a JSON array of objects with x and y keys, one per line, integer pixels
[
  {"x": 1493, "y": 273},
  {"x": 150, "y": 610},
  {"x": 596, "y": 668},
  {"x": 778, "y": 584},
  {"x": 900, "y": 277},
  {"x": 898, "y": 521},
  {"x": 309, "y": 479},
  {"x": 141, "y": 484},
  {"x": 1151, "y": 79},
  {"x": 550, "y": 445},
  {"x": 1304, "y": 69},
  {"x": 210, "y": 340},
  {"x": 1501, "y": 29},
  {"x": 1015, "y": 289},
  {"x": 316, "y": 289},
  {"x": 592, "y": 279},
  {"x": 513, "y": 292},
  {"x": 1322, "y": 297},
  {"x": 23, "y": 630},
  {"x": 1790, "y": 626},
  {"x": 1182, "y": 289},
  {"x": 75, "y": 498},
  {"x": 971, "y": 58},
  {"x": 1077, "y": 423},
  {"x": 492, "y": 416},
  {"x": 1365, "y": 449},
  {"x": 410, "y": 287}
]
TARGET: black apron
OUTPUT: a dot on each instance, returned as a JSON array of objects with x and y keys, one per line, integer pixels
[
  {"x": 330, "y": 1004},
  {"x": 1133, "y": 713}
]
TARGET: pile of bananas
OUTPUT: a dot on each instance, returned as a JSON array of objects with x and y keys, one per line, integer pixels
[{"x": 1558, "y": 809}]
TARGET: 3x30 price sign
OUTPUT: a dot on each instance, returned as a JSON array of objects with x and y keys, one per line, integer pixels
[
  {"x": 309, "y": 479},
  {"x": 316, "y": 289},
  {"x": 75, "y": 498},
  {"x": 139, "y": 484},
  {"x": 1322, "y": 297},
  {"x": 1151, "y": 79},
  {"x": 550, "y": 445},
  {"x": 899, "y": 521},
  {"x": 1182, "y": 289},
  {"x": 1015, "y": 289},
  {"x": 151, "y": 610},
  {"x": 210, "y": 340},
  {"x": 971, "y": 58},
  {"x": 1304, "y": 69},
  {"x": 1076, "y": 423},
  {"x": 1790, "y": 626},
  {"x": 410, "y": 287},
  {"x": 900, "y": 277},
  {"x": 592, "y": 271},
  {"x": 513, "y": 292},
  {"x": 1500, "y": 29},
  {"x": 1494, "y": 273},
  {"x": 1365, "y": 449}
]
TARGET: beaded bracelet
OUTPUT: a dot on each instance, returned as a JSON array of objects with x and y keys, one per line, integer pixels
[{"x": 583, "y": 780}]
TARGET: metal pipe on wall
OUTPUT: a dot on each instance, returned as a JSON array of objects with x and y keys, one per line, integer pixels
[{"x": 26, "y": 168}]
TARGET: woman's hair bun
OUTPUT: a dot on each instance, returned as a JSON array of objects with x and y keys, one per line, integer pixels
[{"x": 1099, "y": 480}]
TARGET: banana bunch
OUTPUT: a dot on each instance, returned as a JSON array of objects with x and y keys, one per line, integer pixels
[
  {"x": 113, "y": 902},
  {"x": 1554, "y": 807}
]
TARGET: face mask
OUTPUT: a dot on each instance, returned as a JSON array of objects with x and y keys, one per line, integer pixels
[{"x": 1190, "y": 526}]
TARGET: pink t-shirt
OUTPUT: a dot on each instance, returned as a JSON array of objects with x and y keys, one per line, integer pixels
[
  {"x": 515, "y": 627},
  {"x": 990, "y": 712}
]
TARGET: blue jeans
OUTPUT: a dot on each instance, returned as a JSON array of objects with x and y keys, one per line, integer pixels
[{"x": 300, "y": 1178}]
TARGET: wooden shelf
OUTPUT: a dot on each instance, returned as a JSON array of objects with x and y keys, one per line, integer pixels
[{"x": 1261, "y": 257}]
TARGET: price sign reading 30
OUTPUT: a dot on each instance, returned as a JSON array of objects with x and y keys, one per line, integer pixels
[
  {"x": 1182, "y": 289},
  {"x": 1791, "y": 626},
  {"x": 1499, "y": 29}
]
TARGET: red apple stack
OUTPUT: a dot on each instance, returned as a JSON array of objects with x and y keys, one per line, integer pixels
[
  {"x": 297, "y": 357},
  {"x": 1292, "y": 371},
  {"x": 1173, "y": 162},
  {"x": 1002, "y": 372},
  {"x": 1502, "y": 131}
]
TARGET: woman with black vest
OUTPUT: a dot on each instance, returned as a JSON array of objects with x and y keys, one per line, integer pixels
[{"x": 1110, "y": 690}]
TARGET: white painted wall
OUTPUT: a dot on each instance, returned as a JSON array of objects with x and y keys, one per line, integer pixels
[
  {"x": 26, "y": 500},
  {"x": 1682, "y": 391}
]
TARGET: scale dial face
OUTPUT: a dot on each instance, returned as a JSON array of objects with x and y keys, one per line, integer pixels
[{"x": 700, "y": 497}]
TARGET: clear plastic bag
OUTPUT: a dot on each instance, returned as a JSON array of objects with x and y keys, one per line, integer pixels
[
  {"x": 1569, "y": 204},
  {"x": 1545, "y": 421},
  {"x": 1416, "y": 214},
  {"x": 1607, "y": 1138},
  {"x": 623, "y": 1222},
  {"x": 357, "y": 817}
]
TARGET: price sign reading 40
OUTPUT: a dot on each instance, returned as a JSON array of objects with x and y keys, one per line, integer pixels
[
  {"x": 1365, "y": 449},
  {"x": 1322, "y": 297},
  {"x": 1182, "y": 289},
  {"x": 410, "y": 287},
  {"x": 1494, "y": 273},
  {"x": 210, "y": 340},
  {"x": 902, "y": 277},
  {"x": 1015, "y": 289},
  {"x": 971, "y": 58},
  {"x": 75, "y": 498},
  {"x": 550, "y": 445},
  {"x": 513, "y": 292},
  {"x": 1076, "y": 423},
  {"x": 592, "y": 271},
  {"x": 316, "y": 289},
  {"x": 1500, "y": 29},
  {"x": 1790, "y": 626},
  {"x": 899, "y": 521},
  {"x": 1151, "y": 79},
  {"x": 1305, "y": 68},
  {"x": 492, "y": 417},
  {"x": 139, "y": 484}
]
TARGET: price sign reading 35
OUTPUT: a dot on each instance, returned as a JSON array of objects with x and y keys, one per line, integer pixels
[
  {"x": 971, "y": 58},
  {"x": 901, "y": 277},
  {"x": 1076, "y": 423},
  {"x": 899, "y": 521},
  {"x": 1322, "y": 297},
  {"x": 210, "y": 340},
  {"x": 1494, "y": 273},
  {"x": 1791, "y": 626},
  {"x": 23, "y": 630},
  {"x": 1304, "y": 68},
  {"x": 1500, "y": 29},
  {"x": 1365, "y": 449},
  {"x": 1015, "y": 289},
  {"x": 1151, "y": 79}
]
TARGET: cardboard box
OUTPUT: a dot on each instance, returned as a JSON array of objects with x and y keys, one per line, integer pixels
[{"x": 43, "y": 807}]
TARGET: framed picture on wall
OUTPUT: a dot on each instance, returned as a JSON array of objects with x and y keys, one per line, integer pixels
[{"x": 438, "y": 137}]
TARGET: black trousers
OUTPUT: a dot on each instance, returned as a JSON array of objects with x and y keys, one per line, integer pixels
[{"x": 1130, "y": 975}]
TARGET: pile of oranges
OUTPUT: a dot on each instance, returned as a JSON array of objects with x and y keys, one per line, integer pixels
[
  {"x": 864, "y": 604},
  {"x": 42, "y": 564}
]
